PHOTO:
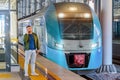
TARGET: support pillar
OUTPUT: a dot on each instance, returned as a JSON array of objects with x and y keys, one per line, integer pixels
[{"x": 106, "y": 23}]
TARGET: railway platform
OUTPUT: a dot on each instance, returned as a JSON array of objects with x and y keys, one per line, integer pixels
[
  {"x": 48, "y": 70},
  {"x": 51, "y": 73}
]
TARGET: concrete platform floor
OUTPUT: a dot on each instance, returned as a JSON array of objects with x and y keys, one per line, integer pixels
[{"x": 9, "y": 76}]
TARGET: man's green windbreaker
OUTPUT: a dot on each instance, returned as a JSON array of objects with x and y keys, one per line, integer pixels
[{"x": 26, "y": 41}]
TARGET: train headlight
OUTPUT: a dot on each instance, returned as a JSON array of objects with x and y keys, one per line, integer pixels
[
  {"x": 87, "y": 15},
  {"x": 61, "y": 15},
  {"x": 59, "y": 45},
  {"x": 94, "y": 45}
]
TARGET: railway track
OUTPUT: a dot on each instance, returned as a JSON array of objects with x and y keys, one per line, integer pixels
[{"x": 116, "y": 59}]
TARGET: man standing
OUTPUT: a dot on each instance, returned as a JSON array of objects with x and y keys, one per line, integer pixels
[{"x": 31, "y": 46}]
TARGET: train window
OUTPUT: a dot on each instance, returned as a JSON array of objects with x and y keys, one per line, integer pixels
[
  {"x": 76, "y": 29},
  {"x": 75, "y": 21}
]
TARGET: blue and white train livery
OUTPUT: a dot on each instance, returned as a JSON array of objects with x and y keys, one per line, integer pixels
[{"x": 72, "y": 36}]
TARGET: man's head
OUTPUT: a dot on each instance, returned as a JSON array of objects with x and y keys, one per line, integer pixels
[{"x": 29, "y": 29}]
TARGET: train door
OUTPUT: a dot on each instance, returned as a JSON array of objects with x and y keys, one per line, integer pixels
[
  {"x": 39, "y": 28},
  {"x": 43, "y": 36},
  {"x": 4, "y": 41}
]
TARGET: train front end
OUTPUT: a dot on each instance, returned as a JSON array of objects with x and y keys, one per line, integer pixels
[{"x": 78, "y": 41}]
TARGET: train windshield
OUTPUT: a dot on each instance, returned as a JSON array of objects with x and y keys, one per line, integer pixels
[
  {"x": 76, "y": 29},
  {"x": 75, "y": 21}
]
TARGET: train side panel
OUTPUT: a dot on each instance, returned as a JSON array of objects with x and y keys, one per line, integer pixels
[
  {"x": 54, "y": 38},
  {"x": 96, "y": 56}
]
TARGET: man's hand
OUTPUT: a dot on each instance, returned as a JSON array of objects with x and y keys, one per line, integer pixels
[{"x": 37, "y": 51}]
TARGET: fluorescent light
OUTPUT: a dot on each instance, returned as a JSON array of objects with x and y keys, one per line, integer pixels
[{"x": 72, "y": 8}]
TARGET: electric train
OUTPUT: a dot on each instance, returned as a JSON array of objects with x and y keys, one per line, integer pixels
[{"x": 70, "y": 36}]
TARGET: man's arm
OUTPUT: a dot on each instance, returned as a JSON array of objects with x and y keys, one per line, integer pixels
[
  {"x": 25, "y": 38},
  {"x": 38, "y": 44}
]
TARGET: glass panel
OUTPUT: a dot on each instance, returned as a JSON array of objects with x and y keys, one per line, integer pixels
[
  {"x": 27, "y": 7},
  {"x": 4, "y": 4},
  {"x": 24, "y": 8},
  {"x": 13, "y": 34},
  {"x": 80, "y": 31},
  {"x": 81, "y": 20},
  {"x": 32, "y": 6},
  {"x": 2, "y": 42},
  {"x": 14, "y": 58},
  {"x": 13, "y": 4},
  {"x": 116, "y": 21},
  {"x": 20, "y": 12},
  {"x": 38, "y": 4}
]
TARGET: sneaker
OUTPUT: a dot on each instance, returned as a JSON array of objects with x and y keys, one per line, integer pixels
[
  {"x": 34, "y": 74},
  {"x": 26, "y": 75}
]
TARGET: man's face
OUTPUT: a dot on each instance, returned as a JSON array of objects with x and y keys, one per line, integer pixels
[{"x": 29, "y": 29}]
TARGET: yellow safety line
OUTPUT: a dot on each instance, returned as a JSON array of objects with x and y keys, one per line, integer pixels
[
  {"x": 48, "y": 71},
  {"x": 40, "y": 77},
  {"x": 5, "y": 75}
]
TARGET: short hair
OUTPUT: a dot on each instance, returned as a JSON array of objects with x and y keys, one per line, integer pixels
[{"x": 28, "y": 26}]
